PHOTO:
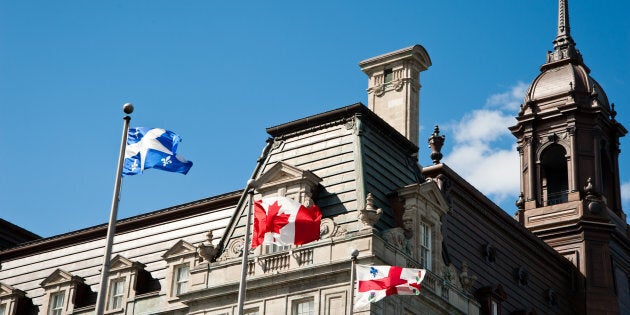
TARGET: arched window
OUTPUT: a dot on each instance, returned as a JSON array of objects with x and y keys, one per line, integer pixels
[{"x": 554, "y": 175}]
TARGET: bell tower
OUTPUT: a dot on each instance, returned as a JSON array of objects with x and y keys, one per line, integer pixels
[{"x": 568, "y": 142}]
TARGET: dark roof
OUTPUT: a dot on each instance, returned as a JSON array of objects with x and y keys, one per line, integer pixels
[
  {"x": 11, "y": 234},
  {"x": 321, "y": 120},
  {"x": 123, "y": 225}
]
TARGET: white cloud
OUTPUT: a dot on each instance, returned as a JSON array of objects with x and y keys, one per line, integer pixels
[
  {"x": 484, "y": 152},
  {"x": 482, "y": 126},
  {"x": 625, "y": 194},
  {"x": 492, "y": 170},
  {"x": 509, "y": 100}
]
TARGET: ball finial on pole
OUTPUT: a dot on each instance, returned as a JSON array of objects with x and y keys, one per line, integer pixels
[{"x": 128, "y": 108}]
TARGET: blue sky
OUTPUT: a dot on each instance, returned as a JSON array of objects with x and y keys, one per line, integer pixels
[{"x": 219, "y": 73}]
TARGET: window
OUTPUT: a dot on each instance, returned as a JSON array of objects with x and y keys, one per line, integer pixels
[
  {"x": 181, "y": 260},
  {"x": 56, "y": 304},
  {"x": 490, "y": 299},
  {"x": 495, "y": 308},
  {"x": 251, "y": 311},
  {"x": 3, "y": 309},
  {"x": 116, "y": 294},
  {"x": 303, "y": 307},
  {"x": 425, "y": 245},
  {"x": 180, "y": 279},
  {"x": 389, "y": 75}
]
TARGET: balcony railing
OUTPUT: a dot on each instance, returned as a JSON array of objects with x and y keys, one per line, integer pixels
[{"x": 555, "y": 197}]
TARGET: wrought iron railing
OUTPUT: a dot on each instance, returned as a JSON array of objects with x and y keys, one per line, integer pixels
[{"x": 555, "y": 197}]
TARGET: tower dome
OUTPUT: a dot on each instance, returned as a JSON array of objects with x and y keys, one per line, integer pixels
[
  {"x": 564, "y": 78},
  {"x": 570, "y": 82}
]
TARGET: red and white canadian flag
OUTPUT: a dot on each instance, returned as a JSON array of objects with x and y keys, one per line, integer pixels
[
  {"x": 377, "y": 282},
  {"x": 284, "y": 221}
]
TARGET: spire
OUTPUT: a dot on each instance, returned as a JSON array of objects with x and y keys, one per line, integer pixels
[
  {"x": 564, "y": 46},
  {"x": 564, "y": 29}
]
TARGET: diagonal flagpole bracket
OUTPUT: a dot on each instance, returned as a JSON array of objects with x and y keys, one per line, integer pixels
[{"x": 250, "y": 188}]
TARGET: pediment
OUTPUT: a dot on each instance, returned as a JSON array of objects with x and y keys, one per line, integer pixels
[
  {"x": 9, "y": 291},
  {"x": 5, "y": 289},
  {"x": 60, "y": 277},
  {"x": 181, "y": 248},
  {"x": 434, "y": 195},
  {"x": 120, "y": 263},
  {"x": 427, "y": 191},
  {"x": 283, "y": 174}
]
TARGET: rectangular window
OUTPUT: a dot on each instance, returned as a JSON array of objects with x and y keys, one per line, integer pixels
[
  {"x": 116, "y": 294},
  {"x": 180, "y": 279},
  {"x": 495, "y": 308},
  {"x": 425, "y": 245},
  {"x": 56, "y": 304},
  {"x": 389, "y": 75},
  {"x": 251, "y": 311},
  {"x": 303, "y": 307},
  {"x": 3, "y": 309}
]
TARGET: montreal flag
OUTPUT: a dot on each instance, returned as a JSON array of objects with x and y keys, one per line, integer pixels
[
  {"x": 377, "y": 282},
  {"x": 284, "y": 221}
]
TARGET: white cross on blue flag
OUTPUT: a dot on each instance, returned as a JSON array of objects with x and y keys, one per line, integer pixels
[{"x": 153, "y": 148}]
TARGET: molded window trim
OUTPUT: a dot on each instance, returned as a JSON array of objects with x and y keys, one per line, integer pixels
[
  {"x": 303, "y": 306},
  {"x": 181, "y": 276},
  {"x": 55, "y": 306},
  {"x": 116, "y": 293}
]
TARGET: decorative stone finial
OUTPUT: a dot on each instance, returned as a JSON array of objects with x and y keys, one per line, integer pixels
[
  {"x": 520, "y": 203},
  {"x": 466, "y": 280},
  {"x": 436, "y": 141},
  {"x": 207, "y": 252},
  {"x": 593, "y": 198},
  {"x": 589, "y": 186},
  {"x": 369, "y": 215}
]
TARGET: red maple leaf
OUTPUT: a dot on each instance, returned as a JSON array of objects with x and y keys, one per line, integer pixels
[
  {"x": 267, "y": 221},
  {"x": 276, "y": 220}
]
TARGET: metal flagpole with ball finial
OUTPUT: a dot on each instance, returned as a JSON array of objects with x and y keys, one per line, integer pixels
[{"x": 111, "y": 228}]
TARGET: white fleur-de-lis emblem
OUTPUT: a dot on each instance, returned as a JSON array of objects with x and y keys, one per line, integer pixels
[
  {"x": 134, "y": 166},
  {"x": 166, "y": 161}
]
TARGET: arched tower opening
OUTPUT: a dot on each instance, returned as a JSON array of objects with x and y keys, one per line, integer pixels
[{"x": 554, "y": 175}]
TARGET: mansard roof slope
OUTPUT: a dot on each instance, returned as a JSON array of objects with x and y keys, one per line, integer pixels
[{"x": 123, "y": 225}]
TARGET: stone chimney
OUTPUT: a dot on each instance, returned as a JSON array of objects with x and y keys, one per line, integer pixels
[{"x": 394, "y": 85}]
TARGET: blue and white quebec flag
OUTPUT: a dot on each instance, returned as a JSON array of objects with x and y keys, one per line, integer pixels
[{"x": 153, "y": 148}]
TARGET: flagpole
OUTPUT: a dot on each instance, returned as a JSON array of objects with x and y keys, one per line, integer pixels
[
  {"x": 111, "y": 228},
  {"x": 245, "y": 263},
  {"x": 353, "y": 258}
]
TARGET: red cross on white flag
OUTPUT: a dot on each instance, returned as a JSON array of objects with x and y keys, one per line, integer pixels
[{"x": 377, "y": 282}]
